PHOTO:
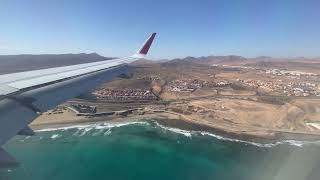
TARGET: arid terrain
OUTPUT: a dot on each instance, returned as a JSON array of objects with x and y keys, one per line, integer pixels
[{"x": 258, "y": 98}]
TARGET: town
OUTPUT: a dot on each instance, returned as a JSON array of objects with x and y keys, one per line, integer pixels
[
  {"x": 124, "y": 95},
  {"x": 191, "y": 85}
]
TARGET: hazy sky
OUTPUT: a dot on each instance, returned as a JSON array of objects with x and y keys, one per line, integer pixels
[{"x": 185, "y": 27}]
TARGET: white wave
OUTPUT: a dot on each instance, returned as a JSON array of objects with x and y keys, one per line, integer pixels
[
  {"x": 176, "y": 130},
  {"x": 108, "y": 132},
  {"x": 237, "y": 140},
  {"x": 84, "y": 129},
  {"x": 92, "y": 126},
  {"x": 77, "y": 133},
  {"x": 63, "y": 128},
  {"x": 291, "y": 142},
  {"x": 98, "y": 132},
  {"x": 204, "y": 133},
  {"x": 54, "y": 136}
]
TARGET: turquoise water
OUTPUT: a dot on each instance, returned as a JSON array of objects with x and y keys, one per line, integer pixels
[{"x": 149, "y": 151}]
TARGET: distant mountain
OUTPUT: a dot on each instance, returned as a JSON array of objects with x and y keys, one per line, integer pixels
[
  {"x": 262, "y": 58},
  {"x": 143, "y": 62},
  {"x": 238, "y": 60},
  {"x": 25, "y": 62},
  {"x": 162, "y": 60},
  {"x": 293, "y": 59},
  {"x": 231, "y": 59},
  {"x": 225, "y": 59}
]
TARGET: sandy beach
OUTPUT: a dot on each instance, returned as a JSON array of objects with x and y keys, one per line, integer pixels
[{"x": 67, "y": 118}]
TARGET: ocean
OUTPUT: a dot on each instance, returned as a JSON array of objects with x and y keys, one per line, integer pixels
[{"x": 147, "y": 150}]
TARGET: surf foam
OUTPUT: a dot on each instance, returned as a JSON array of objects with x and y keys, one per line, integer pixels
[{"x": 84, "y": 129}]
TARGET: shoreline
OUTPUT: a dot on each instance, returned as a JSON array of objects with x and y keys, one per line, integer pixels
[{"x": 175, "y": 121}]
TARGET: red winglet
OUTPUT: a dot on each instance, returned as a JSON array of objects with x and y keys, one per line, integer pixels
[{"x": 145, "y": 48}]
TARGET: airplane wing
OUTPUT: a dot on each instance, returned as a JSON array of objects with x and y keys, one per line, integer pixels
[{"x": 24, "y": 95}]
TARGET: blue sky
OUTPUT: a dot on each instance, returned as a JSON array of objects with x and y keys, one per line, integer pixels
[{"x": 185, "y": 27}]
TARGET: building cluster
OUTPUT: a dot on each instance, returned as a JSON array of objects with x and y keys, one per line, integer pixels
[
  {"x": 213, "y": 84},
  {"x": 191, "y": 85},
  {"x": 79, "y": 108},
  {"x": 232, "y": 68},
  {"x": 185, "y": 85},
  {"x": 289, "y": 73},
  {"x": 301, "y": 89},
  {"x": 124, "y": 95},
  {"x": 149, "y": 78},
  {"x": 288, "y": 88}
]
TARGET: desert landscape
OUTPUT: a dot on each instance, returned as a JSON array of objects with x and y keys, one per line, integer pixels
[{"x": 263, "y": 99}]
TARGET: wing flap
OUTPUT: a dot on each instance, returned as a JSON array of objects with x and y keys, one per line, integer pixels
[{"x": 5, "y": 89}]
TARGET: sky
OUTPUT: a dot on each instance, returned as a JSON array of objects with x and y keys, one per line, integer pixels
[{"x": 116, "y": 28}]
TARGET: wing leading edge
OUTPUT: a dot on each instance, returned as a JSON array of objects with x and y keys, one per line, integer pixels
[
  {"x": 23, "y": 95},
  {"x": 12, "y": 83}
]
